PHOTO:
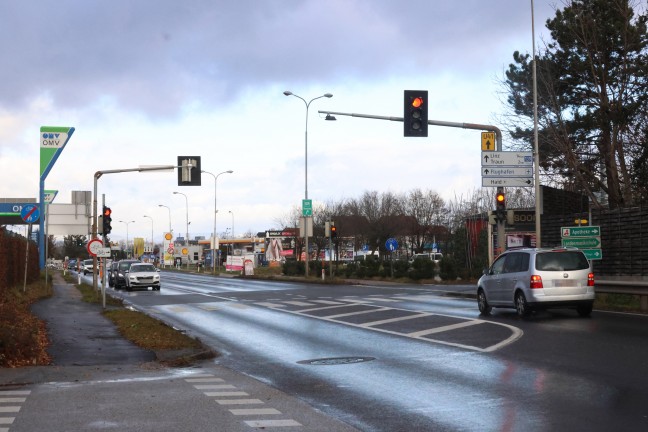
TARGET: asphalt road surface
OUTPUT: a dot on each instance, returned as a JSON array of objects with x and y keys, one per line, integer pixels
[{"x": 395, "y": 357}]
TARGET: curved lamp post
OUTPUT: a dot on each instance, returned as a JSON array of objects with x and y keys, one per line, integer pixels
[
  {"x": 327, "y": 95},
  {"x": 152, "y": 242},
  {"x": 187, "y": 212},
  {"x": 214, "y": 258}
]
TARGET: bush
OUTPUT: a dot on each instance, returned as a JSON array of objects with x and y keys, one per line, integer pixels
[
  {"x": 422, "y": 269},
  {"x": 447, "y": 268}
]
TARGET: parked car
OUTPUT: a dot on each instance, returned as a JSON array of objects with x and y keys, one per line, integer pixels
[
  {"x": 121, "y": 275},
  {"x": 529, "y": 278},
  {"x": 87, "y": 266},
  {"x": 432, "y": 256},
  {"x": 143, "y": 275}
]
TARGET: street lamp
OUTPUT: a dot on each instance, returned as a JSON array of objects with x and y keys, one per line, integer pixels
[
  {"x": 232, "y": 213},
  {"x": 327, "y": 95},
  {"x": 215, "y": 212},
  {"x": 127, "y": 222},
  {"x": 169, "y": 209},
  {"x": 187, "y": 208},
  {"x": 152, "y": 243}
]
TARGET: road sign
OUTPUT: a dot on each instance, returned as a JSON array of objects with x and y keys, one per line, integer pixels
[
  {"x": 507, "y": 182},
  {"x": 582, "y": 242},
  {"x": 581, "y": 231},
  {"x": 95, "y": 246},
  {"x": 307, "y": 207},
  {"x": 391, "y": 244},
  {"x": 488, "y": 141},
  {"x": 104, "y": 252},
  {"x": 30, "y": 213},
  {"x": 493, "y": 171},
  {"x": 507, "y": 158},
  {"x": 593, "y": 254}
]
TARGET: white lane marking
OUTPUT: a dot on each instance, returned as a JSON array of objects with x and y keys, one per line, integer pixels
[
  {"x": 271, "y": 423},
  {"x": 385, "y": 300},
  {"x": 444, "y": 328},
  {"x": 357, "y": 313},
  {"x": 393, "y": 320},
  {"x": 7, "y": 409},
  {"x": 516, "y": 333},
  {"x": 271, "y": 305},
  {"x": 298, "y": 303},
  {"x": 204, "y": 380},
  {"x": 239, "y": 401},
  {"x": 321, "y": 308},
  {"x": 12, "y": 400},
  {"x": 328, "y": 302},
  {"x": 214, "y": 387},
  {"x": 254, "y": 411},
  {"x": 15, "y": 392},
  {"x": 7, "y": 420},
  {"x": 226, "y": 394}
]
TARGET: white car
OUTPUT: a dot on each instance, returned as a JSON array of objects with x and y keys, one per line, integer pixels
[
  {"x": 87, "y": 266},
  {"x": 143, "y": 275}
]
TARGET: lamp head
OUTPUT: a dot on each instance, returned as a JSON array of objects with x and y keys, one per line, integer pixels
[
  {"x": 329, "y": 117},
  {"x": 229, "y": 171},
  {"x": 328, "y": 95},
  {"x": 288, "y": 93}
]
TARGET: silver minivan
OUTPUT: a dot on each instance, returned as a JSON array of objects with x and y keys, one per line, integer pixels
[{"x": 528, "y": 279}]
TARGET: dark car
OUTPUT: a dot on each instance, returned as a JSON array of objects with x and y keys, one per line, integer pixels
[
  {"x": 121, "y": 274},
  {"x": 112, "y": 273}
]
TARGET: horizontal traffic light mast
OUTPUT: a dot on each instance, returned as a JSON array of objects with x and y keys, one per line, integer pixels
[{"x": 474, "y": 126}]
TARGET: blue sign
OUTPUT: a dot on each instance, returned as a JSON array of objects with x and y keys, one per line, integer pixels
[
  {"x": 30, "y": 213},
  {"x": 391, "y": 244}
]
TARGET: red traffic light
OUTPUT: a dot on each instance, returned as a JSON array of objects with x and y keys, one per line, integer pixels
[
  {"x": 107, "y": 211},
  {"x": 417, "y": 102}
]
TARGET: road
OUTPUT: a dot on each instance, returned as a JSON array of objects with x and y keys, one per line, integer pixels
[{"x": 406, "y": 357}]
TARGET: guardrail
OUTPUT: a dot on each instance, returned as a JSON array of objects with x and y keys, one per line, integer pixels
[{"x": 632, "y": 287}]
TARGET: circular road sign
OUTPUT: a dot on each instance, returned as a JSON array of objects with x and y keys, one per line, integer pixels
[
  {"x": 95, "y": 246},
  {"x": 30, "y": 213},
  {"x": 391, "y": 244}
]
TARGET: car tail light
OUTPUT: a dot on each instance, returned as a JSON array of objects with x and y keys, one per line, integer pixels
[
  {"x": 536, "y": 282},
  {"x": 590, "y": 279}
]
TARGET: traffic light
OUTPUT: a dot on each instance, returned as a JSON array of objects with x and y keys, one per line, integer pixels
[
  {"x": 500, "y": 205},
  {"x": 333, "y": 232},
  {"x": 415, "y": 113},
  {"x": 107, "y": 219}
]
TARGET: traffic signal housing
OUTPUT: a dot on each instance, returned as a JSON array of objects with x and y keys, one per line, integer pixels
[
  {"x": 333, "y": 232},
  {"x": 415, "y": 113},
  {"x": 500, "y": 205},
  {"x": 107, "y": 220}
]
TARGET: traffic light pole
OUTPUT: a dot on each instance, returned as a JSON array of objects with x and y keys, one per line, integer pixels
[
  {"x": 501, "y": 233},
  {"x": 97, "y": 176}
]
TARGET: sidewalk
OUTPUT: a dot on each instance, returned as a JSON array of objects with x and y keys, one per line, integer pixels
[{"x": 99, "y": 380}]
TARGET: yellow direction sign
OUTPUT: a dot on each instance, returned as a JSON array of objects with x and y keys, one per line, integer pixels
[{"x": 488, "y": 141}]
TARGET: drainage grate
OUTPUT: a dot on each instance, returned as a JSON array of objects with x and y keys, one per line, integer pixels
[{"x": 336, "y": 361}]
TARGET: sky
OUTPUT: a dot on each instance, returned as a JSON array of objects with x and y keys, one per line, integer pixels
[{"x": 144, "y": 82}]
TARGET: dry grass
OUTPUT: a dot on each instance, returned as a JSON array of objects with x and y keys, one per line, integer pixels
[
  {"x": 148, "y": 332},
  {"x": 23, "y": 337}
]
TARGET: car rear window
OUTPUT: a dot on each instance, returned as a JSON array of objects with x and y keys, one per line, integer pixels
[{"x": 561, "y": 261}]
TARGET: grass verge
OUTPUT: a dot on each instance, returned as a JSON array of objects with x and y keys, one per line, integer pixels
[{"x": 172, "y": 346}]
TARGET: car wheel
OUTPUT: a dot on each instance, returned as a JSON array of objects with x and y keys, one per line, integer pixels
[
  {"x": 521, "y": 304},
  {"x": 584, "y": 310},
  {"x": 482, "y": 303}
]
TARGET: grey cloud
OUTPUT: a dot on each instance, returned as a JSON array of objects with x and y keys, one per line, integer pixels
[{"x": 158, "y": 56}]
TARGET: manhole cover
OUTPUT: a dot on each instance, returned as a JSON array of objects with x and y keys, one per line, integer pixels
[{"x": 336, "y": 360}]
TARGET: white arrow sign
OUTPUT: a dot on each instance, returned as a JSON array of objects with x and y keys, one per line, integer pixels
[{"x": 507, "y": 158}]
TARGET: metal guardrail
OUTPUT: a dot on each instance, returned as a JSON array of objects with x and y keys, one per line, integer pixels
[{"x": 632, "y": 287}]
